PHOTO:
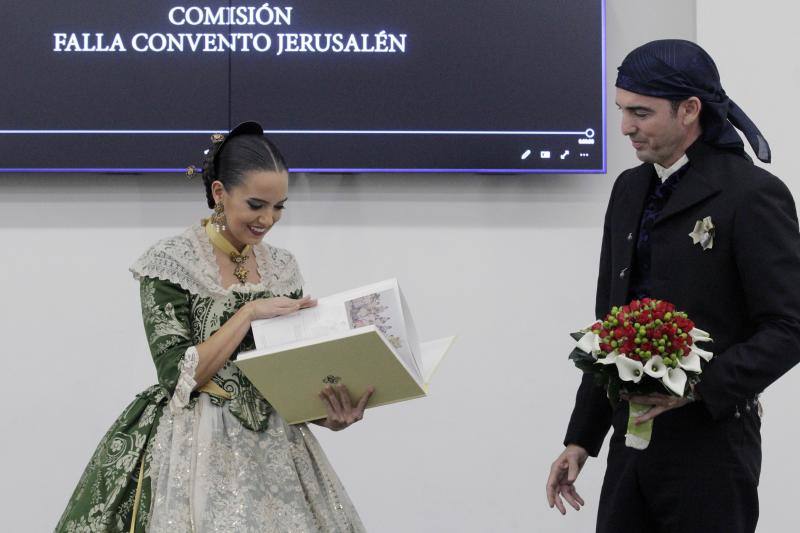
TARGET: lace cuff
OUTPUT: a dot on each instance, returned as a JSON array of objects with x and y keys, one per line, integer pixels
[{"x": 186, "y": 382}]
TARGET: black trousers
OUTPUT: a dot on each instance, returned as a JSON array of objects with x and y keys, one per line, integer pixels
[{"x": 697, "y": 475}]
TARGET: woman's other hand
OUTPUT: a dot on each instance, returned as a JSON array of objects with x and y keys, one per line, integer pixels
[
  {"x": 272, "y": 307},
  {"x": 341, "y": 412}
]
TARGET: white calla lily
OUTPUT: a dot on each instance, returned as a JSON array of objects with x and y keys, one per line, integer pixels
[
  {"x": 690, "y": 363},
  {"x": 698, "y": 335},
  {"x": 589, "y": 343},
  {"x": 702, "y": 353},
  {"x": 675, "y": 380},
  {"x": 629, "y": 370},
  {"x": 608, "y": 359},
  {"x": 655, "y": 367}
]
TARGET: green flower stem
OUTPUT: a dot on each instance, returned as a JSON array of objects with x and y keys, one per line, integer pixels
[{"x": 638, "y": 436}]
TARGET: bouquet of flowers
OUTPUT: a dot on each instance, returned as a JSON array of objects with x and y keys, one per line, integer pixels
[{"x": 641, "y": 348}]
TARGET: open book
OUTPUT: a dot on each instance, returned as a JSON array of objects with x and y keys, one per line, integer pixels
[{"x": 361, "y": 337}]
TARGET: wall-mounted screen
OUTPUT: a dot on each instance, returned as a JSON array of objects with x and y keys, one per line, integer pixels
[{"x": 340, "y": 85}]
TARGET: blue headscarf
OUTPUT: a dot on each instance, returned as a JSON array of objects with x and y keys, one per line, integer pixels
[{"x": 676, "y": 69}]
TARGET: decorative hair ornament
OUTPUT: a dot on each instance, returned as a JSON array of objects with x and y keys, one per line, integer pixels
[
  {"x": 218, "y": 140},
  {"x": 191, "y": 171}
]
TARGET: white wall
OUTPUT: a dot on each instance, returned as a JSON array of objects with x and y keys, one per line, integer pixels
[
  {"x": 755, "y": 47},
  {"x": 506, "y": 262}
]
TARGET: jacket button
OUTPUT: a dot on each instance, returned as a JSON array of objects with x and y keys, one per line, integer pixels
[
  {"x": 622, "y": 273},
  {"x": 630, "y": 236}
]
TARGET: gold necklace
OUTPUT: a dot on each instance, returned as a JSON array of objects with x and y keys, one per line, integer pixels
[{"x": 238, "y": 258}]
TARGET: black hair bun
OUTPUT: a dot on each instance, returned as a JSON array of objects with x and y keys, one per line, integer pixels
[{"x": 227, "y": 161}]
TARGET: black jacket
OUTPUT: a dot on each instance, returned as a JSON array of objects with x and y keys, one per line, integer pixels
[{"x": 745, "y": 291}]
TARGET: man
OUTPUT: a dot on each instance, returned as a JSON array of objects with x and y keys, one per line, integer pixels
[{"x": 740, "y": 282}]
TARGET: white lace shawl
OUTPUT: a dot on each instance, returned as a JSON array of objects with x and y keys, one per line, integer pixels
[{"x": 188, "y": 261}]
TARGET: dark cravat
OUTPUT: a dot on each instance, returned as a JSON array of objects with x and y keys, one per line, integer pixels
[{"x": 658, "y": 197}]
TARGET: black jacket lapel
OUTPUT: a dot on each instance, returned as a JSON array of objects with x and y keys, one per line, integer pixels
[{"x": 693, "y": 189}]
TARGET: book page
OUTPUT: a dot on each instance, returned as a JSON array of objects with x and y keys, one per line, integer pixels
[
  {"x": 327, "y": 318},
  {"x": 411, "y": 331},
  {"x": 379, "y": 304},
  {"x": 432, "y": 353},
  {"x": 383, "y": 309}
]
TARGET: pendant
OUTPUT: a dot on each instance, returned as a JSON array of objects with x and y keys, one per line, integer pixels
[{"x": 240, "y": 271}]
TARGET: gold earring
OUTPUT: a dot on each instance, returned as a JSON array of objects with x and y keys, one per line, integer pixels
[{"x": 218, "y": 218}]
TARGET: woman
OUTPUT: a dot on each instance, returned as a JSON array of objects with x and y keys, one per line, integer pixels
[{"x": 203, "y": 450}]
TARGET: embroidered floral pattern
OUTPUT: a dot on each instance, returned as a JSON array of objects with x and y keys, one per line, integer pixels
[
  {"x": 103, "y": 499},
  {"x": 234, "y": 463},
  {"x": 270, "y": 481},
  {"x": 160, "y": 319}
]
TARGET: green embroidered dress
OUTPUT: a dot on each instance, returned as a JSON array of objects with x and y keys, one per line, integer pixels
[{"x": 206, "y": 463}]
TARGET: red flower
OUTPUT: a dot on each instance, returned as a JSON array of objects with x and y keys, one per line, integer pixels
[{"x": 628, "y": 347}]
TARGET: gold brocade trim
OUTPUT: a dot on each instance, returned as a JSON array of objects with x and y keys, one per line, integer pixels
[
  {"x": 215, "y": 390},
  {"x": 138, "y": 496}
]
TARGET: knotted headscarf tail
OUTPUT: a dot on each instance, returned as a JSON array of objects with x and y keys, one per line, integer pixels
[{"x": 676, "y": 69}]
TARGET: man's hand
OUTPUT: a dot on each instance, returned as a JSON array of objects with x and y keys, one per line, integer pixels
[
  {"x": 660, "y": 403},
  {"x": 561, "y": 482}
]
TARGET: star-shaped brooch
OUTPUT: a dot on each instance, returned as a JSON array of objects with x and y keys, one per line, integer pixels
[{"x": 703, "y": 233}]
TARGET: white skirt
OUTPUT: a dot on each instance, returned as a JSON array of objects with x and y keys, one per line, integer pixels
[{"x": 211, "y": 474}]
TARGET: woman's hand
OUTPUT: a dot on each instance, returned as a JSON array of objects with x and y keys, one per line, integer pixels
[
  {"x": 216, "y": 350},
  {"x": 272, "y": 307},
  {"x": 341, "y": 412}
]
